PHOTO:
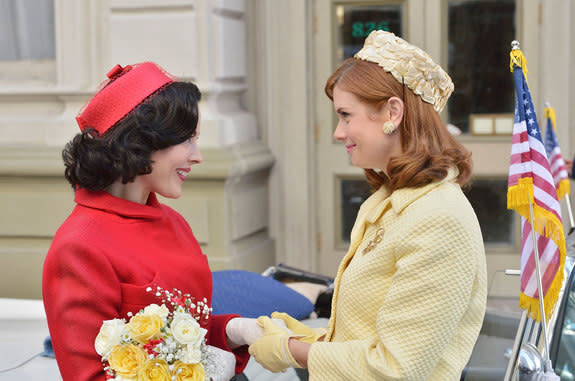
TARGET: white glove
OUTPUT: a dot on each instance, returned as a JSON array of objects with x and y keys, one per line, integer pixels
[
  {"x": 245, "y": 331},
  {"x": 225, "y": 364}
]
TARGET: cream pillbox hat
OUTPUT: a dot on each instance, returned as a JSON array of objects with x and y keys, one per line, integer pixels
[{"x": 409, "y": 65}]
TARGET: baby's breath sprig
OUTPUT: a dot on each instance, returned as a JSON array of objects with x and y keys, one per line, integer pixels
[{"x": 183, "y": 302}]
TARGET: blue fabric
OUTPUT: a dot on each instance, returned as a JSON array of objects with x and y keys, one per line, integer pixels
[
  {"x": 251, "y": 295},
  {"x": 48, "y": 350}
]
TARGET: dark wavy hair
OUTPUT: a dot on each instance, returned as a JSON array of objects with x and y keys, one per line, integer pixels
[
  {"x": 166, "y": 118},
  {"x": 428, "y": 149}
]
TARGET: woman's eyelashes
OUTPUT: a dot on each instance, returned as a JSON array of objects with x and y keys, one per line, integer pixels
[{"x": 343, "y": 115}]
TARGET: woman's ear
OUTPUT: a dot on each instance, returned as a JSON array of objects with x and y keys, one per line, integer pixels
[{"x": 394, "y": 107}]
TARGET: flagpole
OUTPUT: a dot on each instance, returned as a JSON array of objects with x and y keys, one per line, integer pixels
[
  {"x": 547, "y": 360},
  {"x": 568, "y": 202}
]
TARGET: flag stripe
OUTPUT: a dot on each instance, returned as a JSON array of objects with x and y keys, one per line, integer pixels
[{"x": 548, "y": 254}]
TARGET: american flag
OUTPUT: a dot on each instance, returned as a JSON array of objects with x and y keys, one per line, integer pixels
[
  {"x": 530, "y": 181},
  {"x": 556, "y": 162}
]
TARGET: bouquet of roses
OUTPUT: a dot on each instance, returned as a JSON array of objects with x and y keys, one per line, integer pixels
[{"x": 160, "y": 342}]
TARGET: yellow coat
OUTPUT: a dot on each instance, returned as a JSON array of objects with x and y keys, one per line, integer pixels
[{"x": 408, "y": 305}]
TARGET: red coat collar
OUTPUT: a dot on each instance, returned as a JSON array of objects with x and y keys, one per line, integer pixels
[{"x": 104, "y": 201}]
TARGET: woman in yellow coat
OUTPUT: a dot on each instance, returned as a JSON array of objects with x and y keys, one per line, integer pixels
[{"x": 410, "y": 293}]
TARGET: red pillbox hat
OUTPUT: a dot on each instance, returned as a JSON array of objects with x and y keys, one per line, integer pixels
[{"x": 125, "y": 88}]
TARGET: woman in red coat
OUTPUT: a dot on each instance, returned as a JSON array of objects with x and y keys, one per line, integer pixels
[{"x": 139, "y": 137}]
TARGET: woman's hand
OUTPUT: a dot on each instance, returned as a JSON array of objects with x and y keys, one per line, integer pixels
[
  {"x": 245, "y": 331},
  {"x": 309, "y": 335},
  {"x": 272, "y": 350}
]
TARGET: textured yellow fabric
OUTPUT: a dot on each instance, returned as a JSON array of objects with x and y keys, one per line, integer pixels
[{"x": 411, "y": 306}]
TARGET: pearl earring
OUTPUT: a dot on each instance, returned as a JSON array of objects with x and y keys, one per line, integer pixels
[{"x": 388, "y": 127}]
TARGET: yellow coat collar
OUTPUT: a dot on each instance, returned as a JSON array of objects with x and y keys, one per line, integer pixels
[{"x": 378, "y": 202}]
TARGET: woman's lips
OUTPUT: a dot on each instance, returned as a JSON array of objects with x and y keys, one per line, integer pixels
[{"x": 182, "y": 172}]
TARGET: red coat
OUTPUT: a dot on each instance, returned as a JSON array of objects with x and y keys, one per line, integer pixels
[{"x": 99, "y": 265}]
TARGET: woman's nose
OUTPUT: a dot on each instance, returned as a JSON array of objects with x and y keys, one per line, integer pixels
[
  {"x": 339, "y": 133},
  {"x": 196, "y": 156}
]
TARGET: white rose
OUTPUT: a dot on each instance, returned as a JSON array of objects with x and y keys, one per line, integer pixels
[
  {"x": 153, "y": 309},
  {"x": 192, "y": 354},
  {"x": 109, "y": 336},
  {"x": 186, "y": 330}
]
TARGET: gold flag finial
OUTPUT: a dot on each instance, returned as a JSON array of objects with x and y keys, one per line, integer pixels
[
  {"x": 517, "y": 58},
  {"x": 550, "y": 113}
]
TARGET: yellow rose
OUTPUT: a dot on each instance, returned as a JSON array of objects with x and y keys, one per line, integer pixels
[
  {"x": 144, "y": 328},
  {"x": 127, "y": 359},
  {"x": 154, "y": 370},
  {"x": 188, "y": 372}
]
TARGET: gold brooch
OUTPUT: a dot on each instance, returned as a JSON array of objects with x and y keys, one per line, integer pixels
[{"x": 374, "y": 242}]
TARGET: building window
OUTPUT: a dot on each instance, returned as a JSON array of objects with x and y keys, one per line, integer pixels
[
  {"x": 27, "y": 43},
  {"x": 26, "y": 30},
  {"x": 479, "y": 36},
  {"x": 355, "y": 21},
  {"x": 489, "y": 200},
  {"x": 488, "y": 197},
  {"x": 353, "y": 192}
]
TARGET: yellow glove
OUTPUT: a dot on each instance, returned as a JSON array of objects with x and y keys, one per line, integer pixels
[
  {"x": 309, "y": 335},
  {"x": 271, "y": 350}
]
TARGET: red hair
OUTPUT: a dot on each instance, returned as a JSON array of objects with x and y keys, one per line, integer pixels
[{"x": 428, "y": 149}]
